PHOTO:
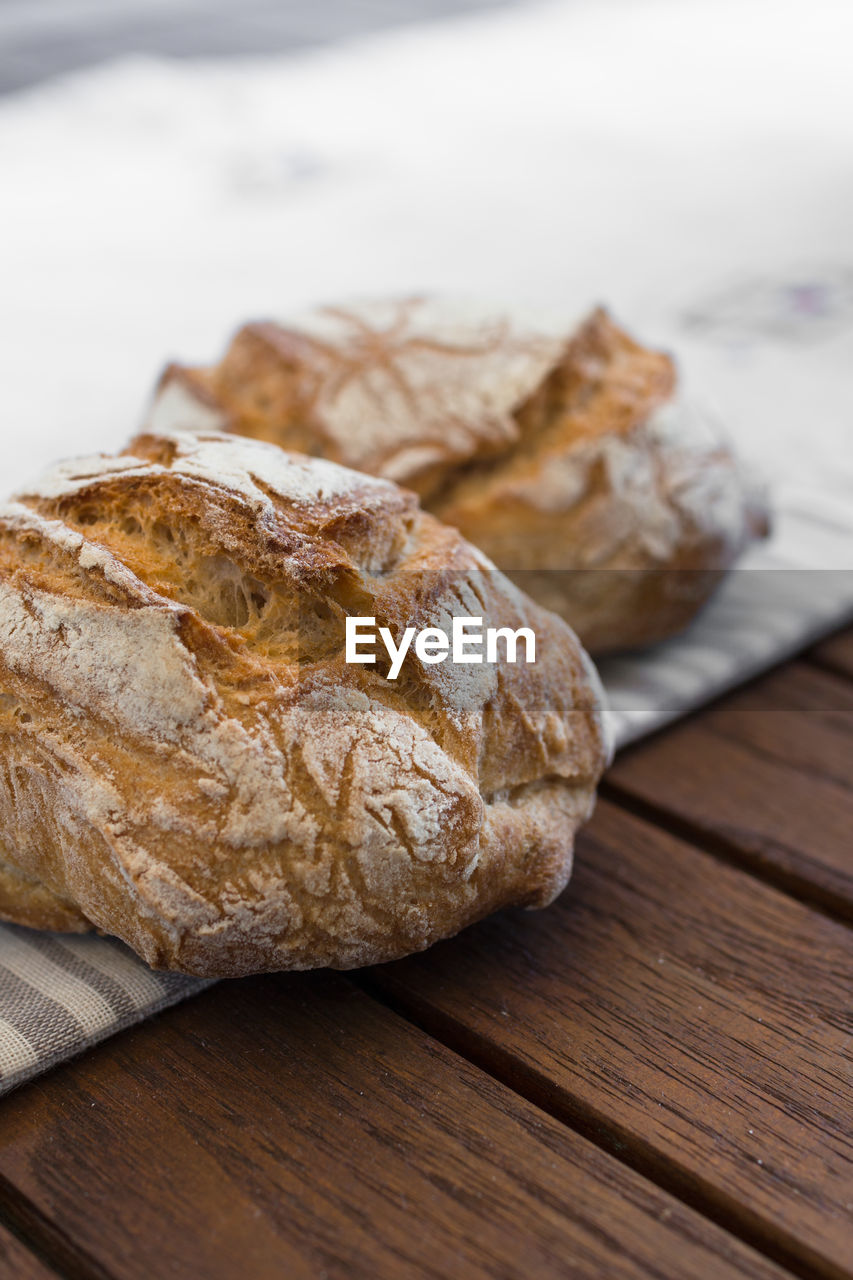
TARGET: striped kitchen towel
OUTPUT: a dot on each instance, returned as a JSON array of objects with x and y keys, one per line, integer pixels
[
  {"x": 59, "y": 994},
  {"x": 204, "y": 193}
]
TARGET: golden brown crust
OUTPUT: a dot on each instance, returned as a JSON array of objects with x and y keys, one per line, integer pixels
[
  {"x": 396, "y": 389},
  {"x": 187, "y": 761},
  {"x": 569, "y": 461}
]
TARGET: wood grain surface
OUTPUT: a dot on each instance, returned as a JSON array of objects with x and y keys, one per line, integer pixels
[
  {"x": 836, "y": 654},
  {"x": 293, "y": 1126},
  {"x": 688, "y": 1017},
  {"x": 651, "y": 1079},
  {"x": 766, "y": 777},
  {"x": 17, "y": 1263}
]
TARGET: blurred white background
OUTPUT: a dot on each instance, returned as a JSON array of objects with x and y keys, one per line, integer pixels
[{"x": 687, "y": 162}]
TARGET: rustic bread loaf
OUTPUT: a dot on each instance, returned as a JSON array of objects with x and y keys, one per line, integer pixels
[
  {"x": 569, "y": 461},
  {"x": 187, "y": 760}
]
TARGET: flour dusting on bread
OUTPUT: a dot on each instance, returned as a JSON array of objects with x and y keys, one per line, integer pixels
[
  {"x": 187, "y": 761},
  {"x": 558, "y": 455}
]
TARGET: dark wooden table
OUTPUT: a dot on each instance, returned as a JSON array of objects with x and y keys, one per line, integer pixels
[{"x": 652, "y": 1078}]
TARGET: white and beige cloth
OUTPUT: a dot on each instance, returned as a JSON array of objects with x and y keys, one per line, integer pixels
[{"x": 651, "y": 155}]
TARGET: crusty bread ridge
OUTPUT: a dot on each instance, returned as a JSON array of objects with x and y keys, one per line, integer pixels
[
  {"x": 187, "y": 761},
  {"x": 570, "y": 461},
  {"x": 402, "y": 389}
]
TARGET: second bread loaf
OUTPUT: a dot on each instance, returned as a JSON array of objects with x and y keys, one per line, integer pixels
[{"x": 570, "y": 460}]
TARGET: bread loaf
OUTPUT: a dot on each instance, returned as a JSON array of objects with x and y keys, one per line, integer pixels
[
  {"x": 187, "y": 760},
  {"x": 570, "y": 461}
]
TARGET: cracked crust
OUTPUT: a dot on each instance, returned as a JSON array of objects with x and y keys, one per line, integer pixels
[
  {"x": 568, "y": 460},
  {"x": 186, "y": 760}
]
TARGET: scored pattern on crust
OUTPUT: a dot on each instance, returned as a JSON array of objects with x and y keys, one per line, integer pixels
[
  {"x": 188, "y": 762},
  {"x": 399, "y": 389},
  {"x": 565, "y": 459}
]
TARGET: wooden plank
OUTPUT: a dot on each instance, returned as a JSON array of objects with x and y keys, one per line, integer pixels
[
  {"x": 690, "y": 1017},
  {"x": 765, "y": 776},
  {"x": 293, "y": 1126},
  {"x": 836, "y": 654},
  {"x": 16, "y": 1261}
]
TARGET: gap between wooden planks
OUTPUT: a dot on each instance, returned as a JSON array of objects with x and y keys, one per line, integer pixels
[
  {"x": 294, "y": 1126},
  {"x": 763, "y": 778},
  {"x": 835, "y": 654},
  {"x": 689, "y": 1018},
  {"x": 812, "y": 752},
  {"x": 17, "y": 1263}
]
